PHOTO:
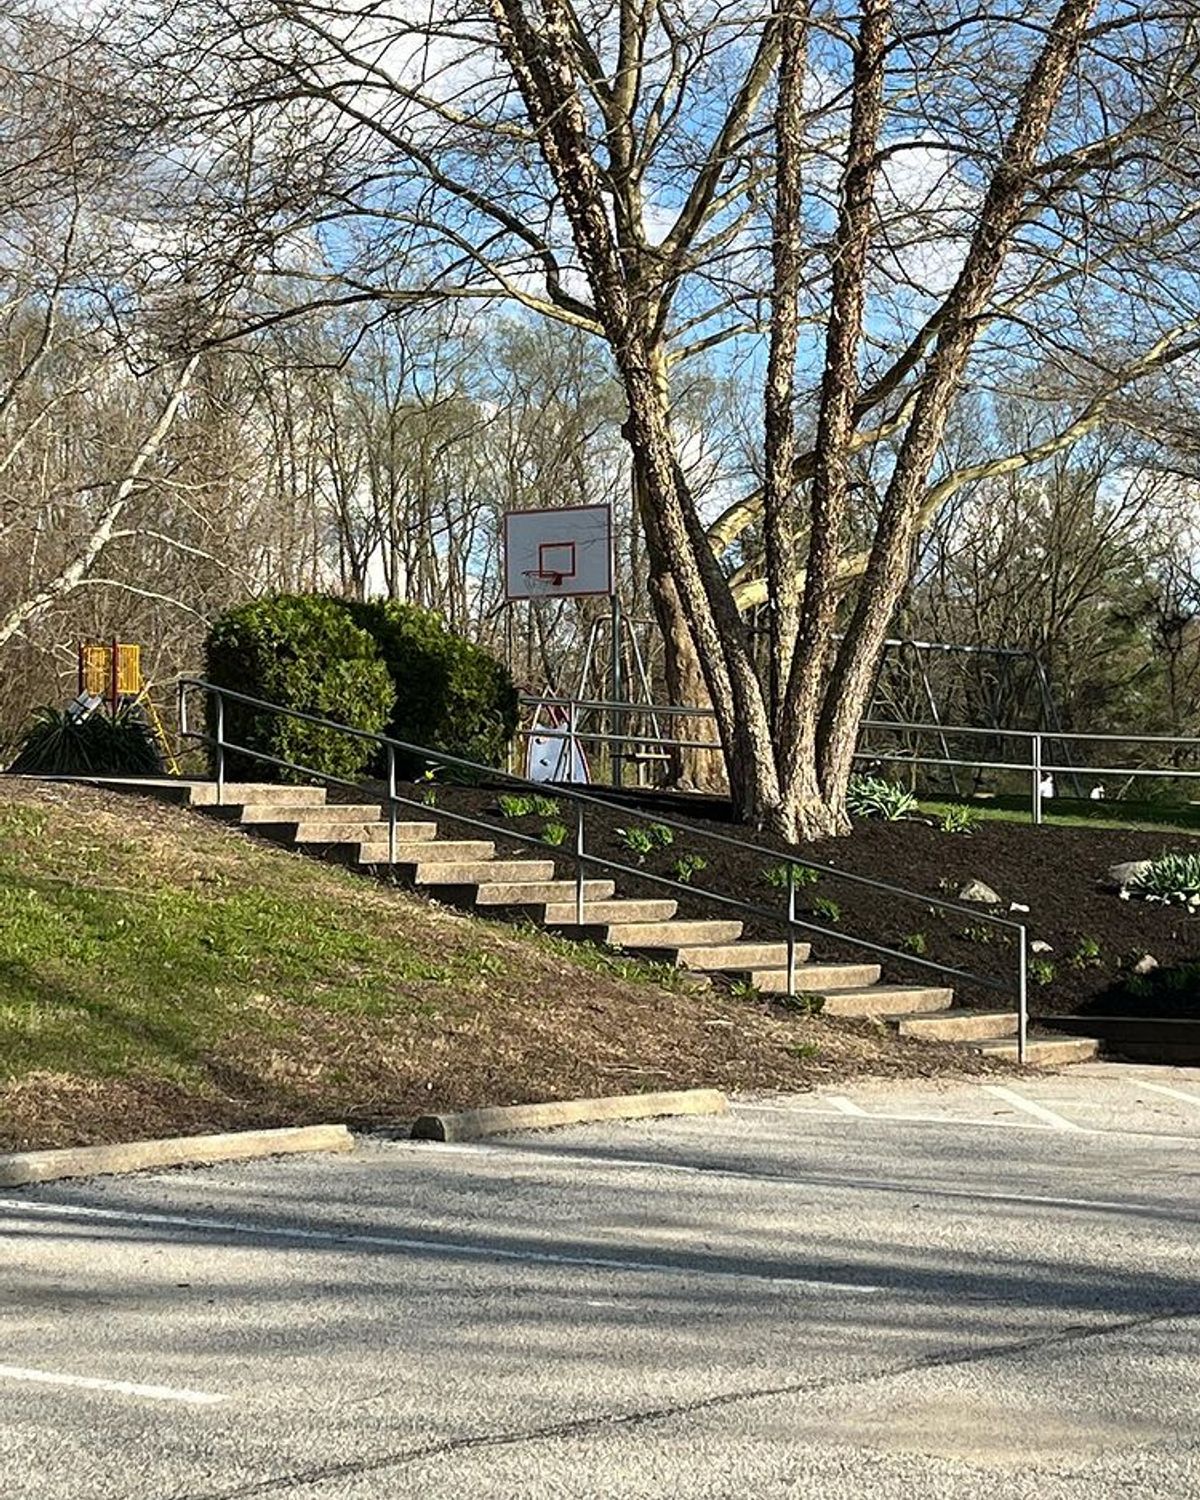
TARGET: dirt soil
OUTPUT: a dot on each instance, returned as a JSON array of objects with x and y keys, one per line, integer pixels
[
  {"x": 1094, "y": 938},
  {"x": 161, "y": 972}
]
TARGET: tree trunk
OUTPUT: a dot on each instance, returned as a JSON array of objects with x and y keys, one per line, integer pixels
[{"x": 687, "y": 770}]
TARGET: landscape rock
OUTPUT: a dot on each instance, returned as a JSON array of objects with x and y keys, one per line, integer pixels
[
  {"x": 977, "y": 890},
  {"x": 1119, "y": 876},
  {"x": 1146, "y": 964},
  {"x": 1017, "y": 906},
  {"x": 1040, "y": 946}
]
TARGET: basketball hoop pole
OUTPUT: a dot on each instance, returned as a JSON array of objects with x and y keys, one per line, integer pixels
[{"x": 618, "y": 716}]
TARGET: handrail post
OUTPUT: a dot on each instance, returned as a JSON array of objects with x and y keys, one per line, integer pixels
[
  {"x": 791, "y": 932},
  {"x": 181, "y": 710},
  {"x": 1022, "y": 994},
  {"x": 572, "y": 733},
  {"x": 1037, "y": 780},
  {"x": 391, "y": 783},
  {"x": 220, "y": 747},
  {"x": 579, "y": 891}
]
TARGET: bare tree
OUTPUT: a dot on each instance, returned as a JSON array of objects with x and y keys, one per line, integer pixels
[{"x": 872, "y": 206}]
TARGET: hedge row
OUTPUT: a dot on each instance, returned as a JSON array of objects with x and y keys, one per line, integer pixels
[{"x": 384, "y": 667}]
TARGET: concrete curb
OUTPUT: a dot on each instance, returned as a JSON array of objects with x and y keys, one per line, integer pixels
[
  {"x": 24, "y": 1167},
  {"x": 474, "y": 1124}
]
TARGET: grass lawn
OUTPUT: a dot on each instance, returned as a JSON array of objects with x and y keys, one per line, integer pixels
[
  {"x": 162, "y": 972},
  {"x": 1071, "y": 812}
]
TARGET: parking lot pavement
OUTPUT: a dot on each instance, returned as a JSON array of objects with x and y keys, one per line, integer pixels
[{"x": 891, "y": 1290}]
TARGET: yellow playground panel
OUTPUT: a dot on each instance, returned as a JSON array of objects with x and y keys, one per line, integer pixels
[{"x": 112, "y": 672}]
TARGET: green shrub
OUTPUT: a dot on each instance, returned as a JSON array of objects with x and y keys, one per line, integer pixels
[
  {"x": 58, "y": 744},
  {"x": 300, "y": 651},
  {"x": 873, "y": 797},
  {"x": 916, "y": 943},
  {"x": 1171, "y": 878},
  {"x": 450, "y": 695},
  {"x": 830, "y": 910},
  {"x": 555, "y": 834},
  {"x": 514, "y": 806}
]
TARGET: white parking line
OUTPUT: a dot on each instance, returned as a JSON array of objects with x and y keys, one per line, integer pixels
[
  {"x": 119, "y": 1387},
  {"x": 1161, "y": 1088},
  {"x": 25, "y": 1208},
  {"x": 1038, "y": 1111},
  {"x": 883, "y": 1116},
  {"x": 845, "y": 1106}
]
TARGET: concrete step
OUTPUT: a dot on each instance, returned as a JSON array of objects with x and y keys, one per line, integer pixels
[
  {"x": 477, "y": 872},
  {"x": 1043, "y": 1051},
  {"x": 255, "y": 813},
  {"x": 886, "y": 1000},
  {"x": 374, "y": 851},
  {"x": 960, "y": 1025},
  {"x": 656, "y": 935},
  {"x": 562, "y": 913},
  {"x": 548, "y": 895},
  {"x": 814, "y": 978},
  {"x": 737, "y": 958},
  {"x": 240, "y": 794}
]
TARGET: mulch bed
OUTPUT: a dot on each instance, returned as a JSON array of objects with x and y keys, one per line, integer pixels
[{"x": 1058, "y": 873}]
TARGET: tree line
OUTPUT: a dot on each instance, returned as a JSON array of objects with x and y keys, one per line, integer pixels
[{"x": 865, "y": 317}]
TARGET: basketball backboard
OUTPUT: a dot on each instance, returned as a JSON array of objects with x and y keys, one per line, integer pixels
[{"x": 566, "y": 549}]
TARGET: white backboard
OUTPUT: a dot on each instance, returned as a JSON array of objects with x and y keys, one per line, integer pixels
[{"x": 564, "y": 550}]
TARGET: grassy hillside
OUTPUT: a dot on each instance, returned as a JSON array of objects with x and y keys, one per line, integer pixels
[{"x": 160, "y": 972}]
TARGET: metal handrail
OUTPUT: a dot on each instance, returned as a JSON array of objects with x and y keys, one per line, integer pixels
[
  {"x": 1037, "y": 766},
  {"x": 584, "y": 860}
]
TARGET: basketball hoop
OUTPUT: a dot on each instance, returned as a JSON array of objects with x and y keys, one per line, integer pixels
[{"x": 544, "y": 575}]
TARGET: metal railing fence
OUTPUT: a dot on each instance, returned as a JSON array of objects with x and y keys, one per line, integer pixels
[
  {"x": 584, "y": 860},
  {"x": 1035, "y": 765}
]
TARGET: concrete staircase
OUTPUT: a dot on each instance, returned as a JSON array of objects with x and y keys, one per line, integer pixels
[{"x": 467, "y": 872}]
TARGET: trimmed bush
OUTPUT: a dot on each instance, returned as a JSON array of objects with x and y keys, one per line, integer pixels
[
  {"x": 450, "y": 695},
  {"x": 301, "y": 651},
  {"x": 57, "y": 743}
]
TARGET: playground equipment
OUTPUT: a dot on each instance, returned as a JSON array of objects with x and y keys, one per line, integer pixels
[{"x": 110, "y": 674}]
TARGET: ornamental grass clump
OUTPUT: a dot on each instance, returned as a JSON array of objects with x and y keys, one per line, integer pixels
[{"x": 1173, "y": 879}]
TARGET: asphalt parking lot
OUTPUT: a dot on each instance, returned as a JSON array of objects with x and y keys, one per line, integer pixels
[{"x": 896, "y": 1290}]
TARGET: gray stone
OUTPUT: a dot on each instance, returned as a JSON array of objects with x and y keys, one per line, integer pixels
[
  {"x": 1119, "y": 876},
  {"x": 976, "y": 890},
  {"x": 1040, "y": 946},
  {"x": 1145, "y": 964}
]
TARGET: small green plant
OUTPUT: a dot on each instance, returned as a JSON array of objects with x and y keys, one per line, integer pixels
[
  {"x": 1086, "y": 954},
  {"x": 744, "y": 989},
  {"x": 637, "y": 841},
  {"x": 544, "y": 807},
  {"x": 555, "y": 834},
  {"x": 643, "y": 841},
  {"x": 806, "y": 1050},
  {"x": 429, "y": 796},
  {"x": 513, "y": 806},
  {"x": 688, "y": 865},
  {"x": 1173, "y": 878},
  {"x": 830, "y": 910},
  {"x": 959, "y": 820},
  {"x": 873, "y": 797},
  {"x": 802, "y": 875},
  {"x": 807, "y": 1002},
  {"x": 1041, "y": 971},
  {"x": 915, "y": 943},
  {"x": 978, "y": 934}
]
